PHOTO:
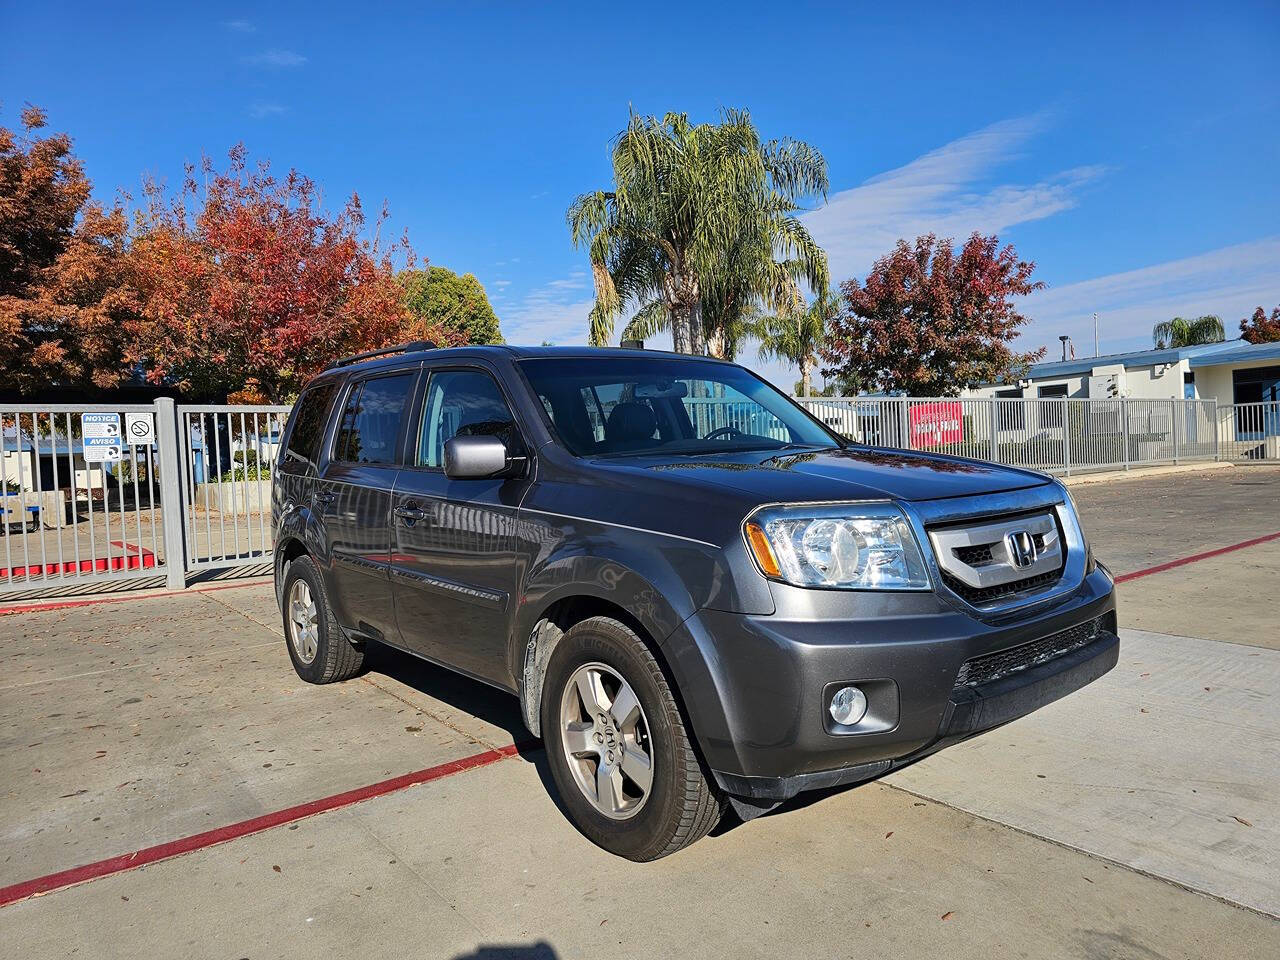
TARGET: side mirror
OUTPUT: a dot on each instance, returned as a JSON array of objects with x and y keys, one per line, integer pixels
[{"x": 474, "y": 458}]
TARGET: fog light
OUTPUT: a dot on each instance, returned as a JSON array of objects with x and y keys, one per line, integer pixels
[{"x": 849, "y": 705}]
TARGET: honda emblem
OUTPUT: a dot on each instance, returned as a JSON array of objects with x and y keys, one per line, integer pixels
[{"x": 1022, "y": 548}]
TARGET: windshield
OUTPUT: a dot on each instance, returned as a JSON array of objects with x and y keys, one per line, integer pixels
[{"x": 616, "y": 406}]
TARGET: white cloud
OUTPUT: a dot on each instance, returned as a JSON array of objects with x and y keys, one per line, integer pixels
[
  {"x": 239, "y": 26},
  {"x": 1229, "y": 282},
  {"x": 260, "y": 111},
  {"x": 939, "y": 193},
  {"x": 556, "y": 311},
  {"x": 276, "y": 58}
]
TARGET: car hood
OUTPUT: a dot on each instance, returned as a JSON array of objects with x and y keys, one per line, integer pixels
[{"x": 855, "y": 473}]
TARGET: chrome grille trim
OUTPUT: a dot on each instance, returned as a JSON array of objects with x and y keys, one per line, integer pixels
[
  {"x": 1050, "y": 497},
  {"x": 950, "y": 547}
]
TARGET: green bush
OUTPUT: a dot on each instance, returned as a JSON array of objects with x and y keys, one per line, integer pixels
[{"x": 245, "y": 466}]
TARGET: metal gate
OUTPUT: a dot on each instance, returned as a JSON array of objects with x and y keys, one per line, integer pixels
[
  {"x": 81, "y": 495},
  {"x": 1250, "y": 431},
  {"x": 228, "y": 453}
]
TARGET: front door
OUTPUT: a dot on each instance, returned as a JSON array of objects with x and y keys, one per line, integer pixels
[
  {"x": 352, "y": 501},
  {"x": 454, "y": 573}
]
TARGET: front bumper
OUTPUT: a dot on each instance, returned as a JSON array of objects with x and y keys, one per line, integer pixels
[{"x": 756, "y": 687}]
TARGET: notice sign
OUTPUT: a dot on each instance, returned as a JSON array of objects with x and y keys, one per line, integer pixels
[
  {"x": 935, "y": 424},
  {"x": 100, "y": 425},
  {"x": 98, "y": 449},
  {"x": 101, "y": 437}
]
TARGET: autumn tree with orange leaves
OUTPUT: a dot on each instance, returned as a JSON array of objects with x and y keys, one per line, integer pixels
[
  {"x": 247, "y": 288},
  {"x": 66, "y": 303},
  {"x": 930, "y": 320}
]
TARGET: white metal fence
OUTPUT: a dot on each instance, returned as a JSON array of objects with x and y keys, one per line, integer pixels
[
  {"x": 81, "y": 498},
  {"x": 1249, "y": 431},
  {"x": 1060, "y": 435},
  {"x": 99, "y": 493},
  {"x": 228, "y": 453}
]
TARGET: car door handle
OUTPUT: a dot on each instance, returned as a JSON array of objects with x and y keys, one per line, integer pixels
[{"x": 410, "y": 514}]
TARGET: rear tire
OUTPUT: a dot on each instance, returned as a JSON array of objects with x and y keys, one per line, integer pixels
[
  {"x": 606, "y": 709},
  {"x": 317, "y": 647}
]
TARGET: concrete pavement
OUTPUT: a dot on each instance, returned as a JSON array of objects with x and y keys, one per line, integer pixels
[{"x": 1128, "y": 820}]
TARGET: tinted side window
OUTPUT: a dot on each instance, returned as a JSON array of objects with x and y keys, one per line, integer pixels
[
  {"x": 462, "y": 403},
  {"x": 308, "y": 426},
  {"x": 371, "y": 420}
]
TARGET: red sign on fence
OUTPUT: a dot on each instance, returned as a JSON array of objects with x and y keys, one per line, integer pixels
[{"x": 933, "y": 424}]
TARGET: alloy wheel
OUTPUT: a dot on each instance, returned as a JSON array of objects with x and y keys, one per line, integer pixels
[
  {"x": 304, "y": 622},
  {"x": 606, "y": 740}
]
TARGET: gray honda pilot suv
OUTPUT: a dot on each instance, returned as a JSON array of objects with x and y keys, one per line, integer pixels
[{"x": 701, "y": 595}]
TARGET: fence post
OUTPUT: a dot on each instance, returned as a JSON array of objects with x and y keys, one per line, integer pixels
[
  {"x": 995, "y": 431},
  {"x": 1124, "y": 421},
  {"x": 1217, "y": 439},
  {"x": 171, "y": 505},
  {"x": 1174, "y": 428},
  {"x": 1066, "y": 436}
]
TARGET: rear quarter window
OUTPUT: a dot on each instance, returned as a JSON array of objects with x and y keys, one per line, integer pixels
[
  {"x": 309, "y": 424},
  {"x": 371, "y": 419}
]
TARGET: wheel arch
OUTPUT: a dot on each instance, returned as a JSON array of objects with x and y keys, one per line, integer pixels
[{"x": 552, "y": 622}]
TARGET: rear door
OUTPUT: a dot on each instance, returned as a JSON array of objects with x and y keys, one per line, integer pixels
[
  {"x": 352, "y": 499},
  {"x": 454, "y": 575}
]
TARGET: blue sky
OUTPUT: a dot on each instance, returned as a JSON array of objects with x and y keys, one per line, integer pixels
[{"x": 1132, "y": 153}]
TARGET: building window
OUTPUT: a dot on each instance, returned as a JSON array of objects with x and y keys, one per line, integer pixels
[
  {"x": 1010, "y": 416},
  {"x": 1051, "y": 413}
]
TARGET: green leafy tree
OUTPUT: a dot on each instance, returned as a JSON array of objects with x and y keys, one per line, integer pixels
[
  {"x": 700, "y": 227},
  {"x": 798, "y": 334},
  {"x": 437, "y": 295},
  {"x": 1188, "y": 333}
]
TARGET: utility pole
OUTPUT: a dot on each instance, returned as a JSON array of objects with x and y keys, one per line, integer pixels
[{"x": 1095, "y": 334}]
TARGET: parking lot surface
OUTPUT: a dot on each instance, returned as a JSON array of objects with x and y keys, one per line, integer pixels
[{"x": 1135, "y": 818}]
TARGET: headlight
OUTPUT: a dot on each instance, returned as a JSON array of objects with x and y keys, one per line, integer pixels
[{"x": 854, "y": 546}]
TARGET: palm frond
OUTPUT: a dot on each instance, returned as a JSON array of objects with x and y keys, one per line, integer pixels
[{"x": 649, "y": 320}]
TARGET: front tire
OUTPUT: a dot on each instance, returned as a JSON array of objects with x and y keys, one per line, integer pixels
[
  {"x": 619, "y": 751},
  {"x": 317, "y": 647}
]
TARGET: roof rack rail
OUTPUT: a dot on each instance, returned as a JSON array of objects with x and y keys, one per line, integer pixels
[{"x": 410, "y": 347}]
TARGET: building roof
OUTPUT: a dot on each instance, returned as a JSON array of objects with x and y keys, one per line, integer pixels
[
  {"x": 1135, "y": 358},
  {"x": 1240, "y": 352}
]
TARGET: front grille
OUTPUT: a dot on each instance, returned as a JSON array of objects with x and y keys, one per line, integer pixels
[
  {"x": 977, "y": 596},
  {"x": 983, "y": 553},
  {"x": 993, "y": 666},
  {"x": 975, "y": 556}
]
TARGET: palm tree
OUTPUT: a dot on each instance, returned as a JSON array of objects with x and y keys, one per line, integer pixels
[
  {"x": 797, "y": 334},
  {"x": 724, "y": 340},
  {"x": 1188, "y": 333},
  {"x": 692, "y": 227}
]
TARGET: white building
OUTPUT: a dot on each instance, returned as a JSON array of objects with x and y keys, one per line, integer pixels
[{"x": 1234, "y": 371}]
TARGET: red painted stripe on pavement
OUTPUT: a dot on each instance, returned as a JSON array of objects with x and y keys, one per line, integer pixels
[
  {"x": 43, "y": 606},
  {"x": 199, "y": 841},
  {"x": 1196, "y": 557}
]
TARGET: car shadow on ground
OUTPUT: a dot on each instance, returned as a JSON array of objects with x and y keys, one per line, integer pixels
[
  {"x": 478, "y": 699},
  {"x": 503, "y": 710},
  {"x": 470, "y": 696}
]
